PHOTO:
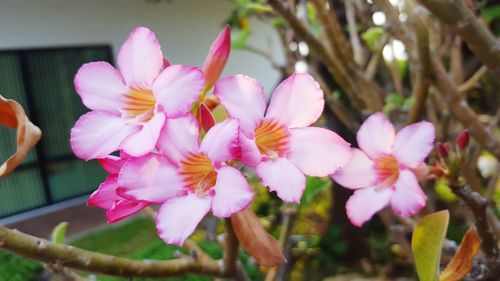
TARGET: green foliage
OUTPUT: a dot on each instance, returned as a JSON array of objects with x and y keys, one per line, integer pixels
[
  {"x": 314, "y": 186},
  {"x": 427, "y": 241},
  {"x": 59, "y": 233},
  {"x": 239, "y": 41},
  {"x": 372, "y": 37},
  {"x": 444, "y": 192},
  {"x": 396, "y": 101},
  {"x": 491, "y": 14},
  {"x": 14, "y": 268}
]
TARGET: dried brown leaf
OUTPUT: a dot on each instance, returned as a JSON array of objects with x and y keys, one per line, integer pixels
[
  {"x": 12, "y": 115},
  {"x": 263, "y": 247},
  {"x": 461, "y": 263}
]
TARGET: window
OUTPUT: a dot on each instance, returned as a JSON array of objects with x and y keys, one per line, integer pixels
[{"x": 41, "y": 81}]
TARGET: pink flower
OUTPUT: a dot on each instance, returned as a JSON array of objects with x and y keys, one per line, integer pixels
[
  {"x": 278, "y": 142},
  {"x": 383, "y": 171},
  {"x": 217, "y": 57},
  {"x": 105, "y": 196},
  {"x": 130, "y": 105},
  {"x": 188, "y": 178}
]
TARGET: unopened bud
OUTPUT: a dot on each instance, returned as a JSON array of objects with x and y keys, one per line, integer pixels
[
  {"x": 443, "y": 150},
  {"x": 462, "y": 140}
]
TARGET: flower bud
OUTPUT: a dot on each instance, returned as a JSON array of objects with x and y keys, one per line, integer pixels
[
  {"x": 217, "y": 57},
  {"x": 462, "y": 140},
  {"x": 207, "y": 120},
  {"x": 443, "y": 150}
]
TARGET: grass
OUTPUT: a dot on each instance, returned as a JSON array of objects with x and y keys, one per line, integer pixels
[{"x": 134, "y": 239}]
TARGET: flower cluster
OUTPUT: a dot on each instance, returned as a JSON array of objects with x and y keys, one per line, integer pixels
[{"x": 156, "y": 116}]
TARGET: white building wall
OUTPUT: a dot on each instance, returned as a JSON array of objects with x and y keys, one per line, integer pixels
[{"x": 185, "y": 28}]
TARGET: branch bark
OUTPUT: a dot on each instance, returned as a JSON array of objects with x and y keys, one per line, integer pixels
[
  {"x": 354, "y": 89},
  {"x": 421, "y": 70},
  {"x": 68, "y": 256},
  {"x": 462, "y": 20},
  {"x": 489, "y": 242},
  {"x": 461, "y": 111}
]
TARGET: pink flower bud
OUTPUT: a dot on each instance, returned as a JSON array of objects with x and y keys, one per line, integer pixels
[
  {"x": 443, "y": 150},
  {"x": 217, "y": 57},
  {"x": 462, "y": 140},
  {"x": 207, "y": 120}
]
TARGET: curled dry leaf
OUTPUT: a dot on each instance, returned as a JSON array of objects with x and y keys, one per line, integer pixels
[
  {"x": 255, "y": 239},
  {"x": 461, "y": 264},
  {"x": 12, "y": 116}
]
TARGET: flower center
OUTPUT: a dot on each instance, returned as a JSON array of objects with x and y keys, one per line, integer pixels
[
  {"x": 271, "y": 138},
  {"x": 138, "y": 102},
  {"x": 387, "y": 168},
  {"x": 198, "y": 173}
]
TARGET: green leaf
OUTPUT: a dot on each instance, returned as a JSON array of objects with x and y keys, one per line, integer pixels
[
  {"x": 278, "y": 22},
  {"x": 443, "y": 191},
  {"x": 491, "y": 14},
  {"x": 240, "y": 40},
  {"x": 372, "y": 36},
  {"x": 259, "y": 8},
  {"x": 59, "y": 233},
  {"x": 426, "y": 244},
  {"x": 314, "y": 186}
]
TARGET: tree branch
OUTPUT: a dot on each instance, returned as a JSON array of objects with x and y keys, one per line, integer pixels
[
  {"x": 461, "y": 111},
  {"x": 69, "y": 256},
  {"x": 462, "y": 20},
  {"x": 421, "y": 70},
  {"x": 354, "y": 89},
  {"x": 478, "y": 205}
]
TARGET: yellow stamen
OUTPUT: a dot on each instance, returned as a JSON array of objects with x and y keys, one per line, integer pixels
[
  {"x": 198, "y": 173},
  {"x": 387, "y": 168},
  {"x": 138, "y": 101},
  {"x": 271, "y": 138}
]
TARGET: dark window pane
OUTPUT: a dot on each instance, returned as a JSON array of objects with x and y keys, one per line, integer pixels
[{"x": 21, "y": 190}]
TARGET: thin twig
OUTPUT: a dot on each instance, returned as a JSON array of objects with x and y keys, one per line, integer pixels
[
  {"x": 357, "y": 49},
  {"x": 473, "y": 80},
  {"x": 421, "y": 70},
  {"x": 461, "y": 111},
  {"x": 480, "y": 40},
  {"x": 354, "y": 89},
  {"x": 288, "y": 215}
]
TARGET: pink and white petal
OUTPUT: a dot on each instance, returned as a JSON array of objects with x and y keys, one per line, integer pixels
[
  {"x": 376, "y": 136},
  {"x": 243, "y": 98},
  {"x": 232, "y": 192},
  {"x": 144, "y": 141},
  {"x": 357, "y": 173},
  {"x": 364, "y": 203},
  {"x": 413, "y": 143},
  {"x": 179, "y": 137},
  {"x": 111, "y": 164},
  {"x": 408, "y": 198},
  {"x": 100, "y": 87},
  {"x": 317, "y": 151},
  {"x": 282, "y": 176},
  {"x": 140, "y": 58},
  {"x": 151, "y": 178},
  {"x": 221, "y": 143},
  {"x": 105, "y": 195},
  {"x": 178, "y": 217},
  {"x": 177, "y": 88},
  {"x": 297, "y": 101},
  {"x": 124, "y": 208},
  {"x": 217, "y": 57},
  {"x": 250, "y": 154},
  {"x": 98, "y": 133}
]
